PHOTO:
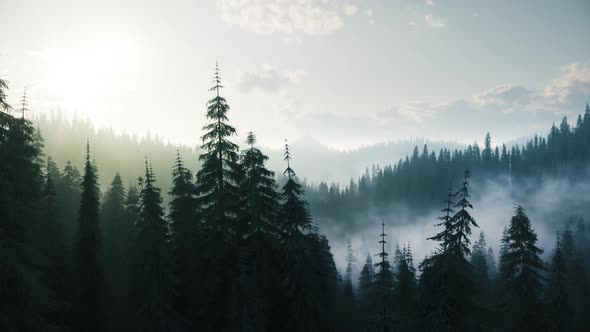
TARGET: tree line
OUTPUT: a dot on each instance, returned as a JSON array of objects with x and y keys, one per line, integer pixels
[
  {"x": 464, "y": 286},
  {"x": 234, "y": 252},
  {"x": 419, "y": 180}
]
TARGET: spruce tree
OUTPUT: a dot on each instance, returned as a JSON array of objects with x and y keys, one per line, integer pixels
[
  {"x": 257, "y": 232},
  {"x": 347, "y": 301},
  {"x": 521, "y": 275},
  {"x": 89, "y": 304},
  {"x": 27, "y": 301},
  {"x": 117, "y": 234},
  {"x": 479, "y": 261},
  {"x": 68, "y": 192},
  {"x": 217, "y": 179},
  {"x": 384, "y": 286},
  {"x": 446, "y": 285},
  {"x": 184, "y": 232},
  {"x": 556, "y": 293},
  {"x": 218, "y": 200},
  {"x": 405, "y": 291},
  {"x": 260, "y": 200},
  {"x": 294, "y": 212},
  {"x": 307, "y": 267},
  {"x": 576, "y": 285},
  {"x": 153, "y": 279},
  {"x": 462, "y": 221},
  {"x": 366, "y": 280},
  {"x": 3, "y": 103},
  {"x": 52, "y": 242}
]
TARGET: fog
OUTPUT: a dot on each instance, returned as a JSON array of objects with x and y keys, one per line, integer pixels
[{"x": 551, "y": 206}]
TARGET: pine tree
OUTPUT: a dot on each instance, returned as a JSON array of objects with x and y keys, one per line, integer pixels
[
  {"x": 132, "y": 205},
  {"x": 521, "y": 274},
  {"x": 89, "y": 302},
  {"x": 260, "y": 200},
  {"x": 154, "y": 265},
  {"x": 446, "y": 285},
  {"x": 559, "y": 309},
  {"x": 27, "y": 302},
  {"x": 117, "y": 232},
  {"x": 52, "y": 242},
  {"x": 366, "y": 280},
  {"x": 185, "y": 235},
  {"x": 258, "y": 227},
  {"x": 486, "y": 155},
  {"x": 576, "y": 286},
  {"x": 462, "y": 221},
  {"x": 445, "y": 236},
  {"x": 384, "y": 287},
  {"x": 218, "y": 177},
  {"x": 3, "y": 103},
  {"x": 307, "y": 268},
  {"x": 294, "y": 212},
  {"x": 479, "y": 261},
  {"x": 68, "y": 192},
  {"x": 218, "y": 203},
  {"x": 405, "y": 290}
]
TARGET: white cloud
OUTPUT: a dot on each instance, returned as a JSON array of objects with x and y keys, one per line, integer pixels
[
  {"x": 430, "y": 2},
  {"x": 506, "y": 97},
  {"x": 572, "y": 85},
  {"x": 268, "y": 79},
  {"x": 310, "y": 17},
  {"x": 434, "y": 22},
  {"x": 349, "y": 9}
]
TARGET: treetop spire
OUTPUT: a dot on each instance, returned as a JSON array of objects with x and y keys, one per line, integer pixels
[
  {"x": 289, "y": 171},
  {"x": 87, "y": 150},
  {"x": 216, "y": 80},
  {"x": 24, "y": 105},
  {"x": 251, "y": 139}
]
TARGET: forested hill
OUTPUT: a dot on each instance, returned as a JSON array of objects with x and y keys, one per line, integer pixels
[
  {"x": 420, "y": 181},
  {"x": 121, "y": 152}
]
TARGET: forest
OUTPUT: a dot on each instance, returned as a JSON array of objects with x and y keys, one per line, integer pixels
[{"x": 230, "y": 245}]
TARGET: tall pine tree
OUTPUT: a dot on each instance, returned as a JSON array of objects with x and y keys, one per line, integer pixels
[
  {"x": 154, "y": 264},
  {"x": 184, "y": 227},
  {"x": 521, "y": 275},
  {"x": 218, "y": 199},
  {"x": 117, "y": 243},
  {"x": 89, "y": 305}
]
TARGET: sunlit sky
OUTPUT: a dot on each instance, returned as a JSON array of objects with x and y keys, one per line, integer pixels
[{"x": 347, "y": 73}]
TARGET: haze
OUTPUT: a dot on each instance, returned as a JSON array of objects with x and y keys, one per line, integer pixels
[{"x": 347, "y": 73}]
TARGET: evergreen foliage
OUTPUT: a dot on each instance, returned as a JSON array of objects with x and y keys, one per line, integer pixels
[{"x": 89, "y": 305}]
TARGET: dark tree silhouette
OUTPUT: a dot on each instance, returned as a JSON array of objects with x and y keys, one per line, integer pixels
[
  {"x": 89, "y": 305},
  {"x": 521, "y": 275}
]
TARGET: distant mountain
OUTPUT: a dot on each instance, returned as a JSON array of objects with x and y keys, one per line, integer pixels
[{"x": 315, "y": 162}]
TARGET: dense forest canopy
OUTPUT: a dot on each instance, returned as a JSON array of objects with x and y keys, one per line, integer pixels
[{"x": 233, "y": 246}]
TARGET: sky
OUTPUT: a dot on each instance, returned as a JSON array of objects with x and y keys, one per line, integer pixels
[{"x": 347, "y": 73}]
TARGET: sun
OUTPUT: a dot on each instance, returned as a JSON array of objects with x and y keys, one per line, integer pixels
[{"x": 103, "y": 64}]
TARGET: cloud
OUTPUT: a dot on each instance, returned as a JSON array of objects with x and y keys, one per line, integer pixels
[
  {"x": 349, "y": 9},
  {"x": 434, "y": 22},
  {"x": 309, "y": 17},
  {"x": 268, "y": 78},
  {"x": 429, "y": 2},
  {"x": 506, "y": 97},
  {"x": 572, "y": 86}
]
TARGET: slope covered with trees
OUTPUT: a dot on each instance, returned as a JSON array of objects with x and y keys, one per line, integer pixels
[
  {"x": 418, "y": 181},
  {"x": 237, "y": 252}
]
